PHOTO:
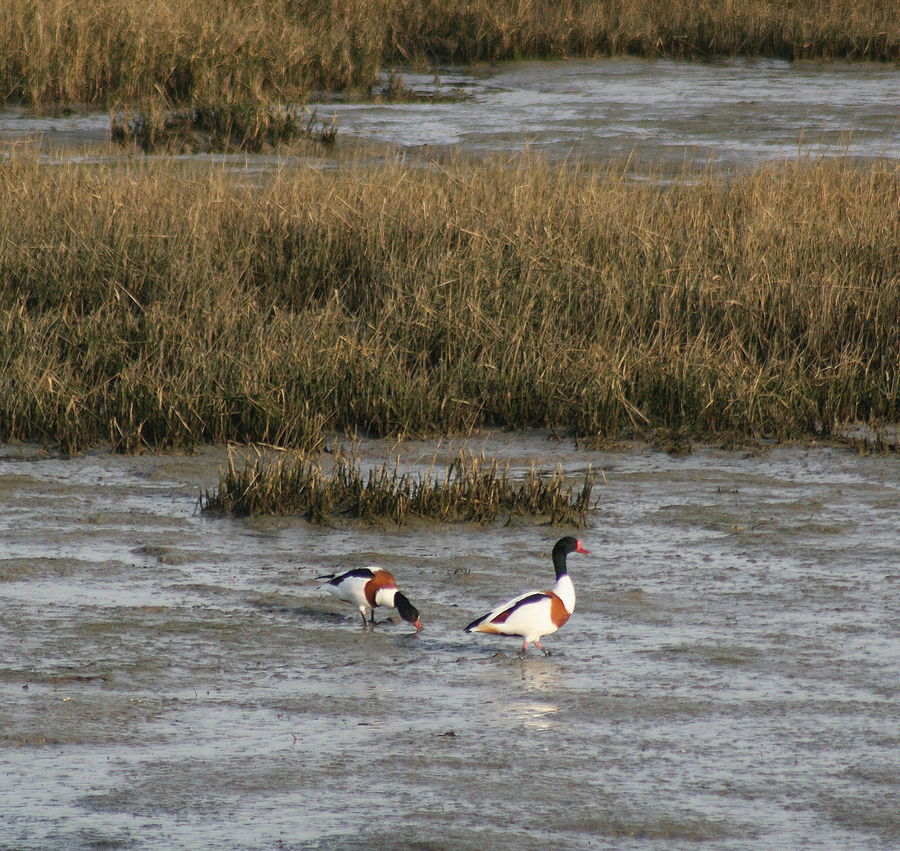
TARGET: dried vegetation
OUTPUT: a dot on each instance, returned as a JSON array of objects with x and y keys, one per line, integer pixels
[
  {"x": 146, "y": 305},
  {"x": 222, "y": 52}
]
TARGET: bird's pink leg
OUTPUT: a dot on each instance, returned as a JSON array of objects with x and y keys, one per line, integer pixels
[
  {"x": 541, "y": 648},
  {"x": 524, "y": 648}
]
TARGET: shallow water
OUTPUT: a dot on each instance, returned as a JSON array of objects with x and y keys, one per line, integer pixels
[
  {"x": 730, "y": 675},
  {"x": 659, "y": 112},
  {"x": 662, "y": 114}
]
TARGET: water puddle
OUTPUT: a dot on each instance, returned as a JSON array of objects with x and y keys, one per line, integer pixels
[
  {"x": 730, "y": 675},
  {"x": 660, "y": 114}
]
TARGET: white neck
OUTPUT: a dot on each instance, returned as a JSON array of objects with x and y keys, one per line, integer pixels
[
  {"x": 385, "y": 597},
  {"x": 565, "y": 590}
]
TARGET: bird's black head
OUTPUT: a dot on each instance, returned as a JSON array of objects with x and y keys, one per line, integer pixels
[
  {"x": 563, "y": 547},
  {"x": 569, "y": 545},
  {"x": 407, "y": 610}
]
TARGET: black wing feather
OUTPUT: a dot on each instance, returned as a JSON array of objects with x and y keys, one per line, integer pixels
[
  {"x": 357, "y": 572},
  {"x": 503, "y": 616}
]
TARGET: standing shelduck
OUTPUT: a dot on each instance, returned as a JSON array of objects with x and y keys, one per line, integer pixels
[
  {"x": 368, "y": 588},
  {"x": 536, "y": 613}
]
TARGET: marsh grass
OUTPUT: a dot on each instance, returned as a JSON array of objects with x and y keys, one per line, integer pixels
[
  {"x": 469, "y": 489},
  {"x": 248, "y": 127},
  {"x": 146, "y": 305},
  {"x": 464, "y": 31},
  {"x": 207, "y": 51},
  {"x": 217, "y": 51}
]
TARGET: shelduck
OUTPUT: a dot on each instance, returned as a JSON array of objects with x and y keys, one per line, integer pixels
[
  {"x": 370, "y": 587},
  {"x": 534, "y": 614}
]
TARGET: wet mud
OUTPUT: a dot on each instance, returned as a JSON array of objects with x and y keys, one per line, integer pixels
[{"x": 729, "y": 678}]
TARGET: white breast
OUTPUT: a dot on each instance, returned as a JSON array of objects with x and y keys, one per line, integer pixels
[{"x": 565, "y": 590}]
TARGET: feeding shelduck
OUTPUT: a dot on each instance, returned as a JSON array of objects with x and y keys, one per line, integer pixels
[
  {"x": 369, "y": 587},
  {"x": 536, "y": 613}
]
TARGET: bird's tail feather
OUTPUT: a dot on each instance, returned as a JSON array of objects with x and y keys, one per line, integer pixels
[{"x": 477, "y": 622}]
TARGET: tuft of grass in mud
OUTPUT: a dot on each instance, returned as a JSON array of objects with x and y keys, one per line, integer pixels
[
  {"x": 216, "y": 51},
  {"x": 248, "y": 127},
  {"x": 471, "y": 489},
  {"x": 146, "y": 305},
  {"x": 395, "y": 90}
]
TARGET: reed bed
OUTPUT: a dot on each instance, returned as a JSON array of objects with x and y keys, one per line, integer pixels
[
  {"x": 470, "y": 489},
  {"x": 148, "y": 305},
  {"x": 209, "y": 51},
  {"x": 218, "y": 52},
  {"x": 482, "y": 30}
]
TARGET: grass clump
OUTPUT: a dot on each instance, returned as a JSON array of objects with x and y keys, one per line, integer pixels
[
  {"x": 248, "y": 127},
  {"x": 471, "y": 489},
  {"x": 145, "y": 305},
  {"x": 223, "y": 51}
]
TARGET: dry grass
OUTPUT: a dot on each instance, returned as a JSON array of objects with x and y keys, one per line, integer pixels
[
  {"x": 470, "y": 489},
  {"x": 208, "y": 51},
  {"x": 224, "y": 52},
  {"x": 142, "y": 304},
  {"x": 479, "y": 30}
]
